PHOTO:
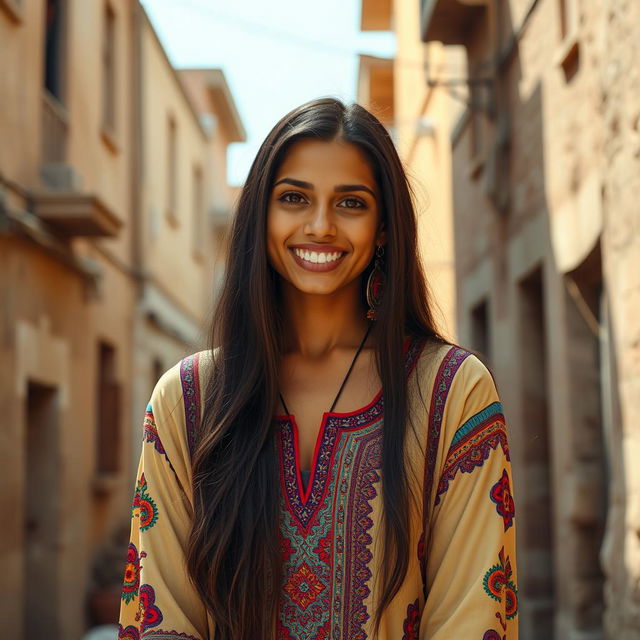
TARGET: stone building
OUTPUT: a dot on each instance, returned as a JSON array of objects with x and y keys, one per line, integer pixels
[
  {"x": 105, "y": 250},
  {"x": 545, "y": 177}
]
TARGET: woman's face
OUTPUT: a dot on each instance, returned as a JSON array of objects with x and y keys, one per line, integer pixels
[{"x": 323, "y": 221}]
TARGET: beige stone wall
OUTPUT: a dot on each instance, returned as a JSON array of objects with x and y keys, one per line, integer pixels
[
  {"x": 619, "y": 76},
  {"x": 546, "y": 233},
  {"x": 550, "y": 226}
]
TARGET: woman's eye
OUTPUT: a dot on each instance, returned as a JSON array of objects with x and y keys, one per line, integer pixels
[
  {"x": 284, "y": 198},
  {"x": 358, "y": 203}
]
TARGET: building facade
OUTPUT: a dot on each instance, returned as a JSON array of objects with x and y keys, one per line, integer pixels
[
  {"x": 111, "y": 177},
  {"x": 187, "y": 118},
  {"x": 546, "y": 165}
]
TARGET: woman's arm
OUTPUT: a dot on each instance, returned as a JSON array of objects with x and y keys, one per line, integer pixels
[
  {"x": 471, "y": 561},
  {"x": 158, "y": 601}
]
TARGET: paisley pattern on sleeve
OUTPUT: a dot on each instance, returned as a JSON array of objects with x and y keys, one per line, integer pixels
[
  {"x": 150, "y": 434},
  {"x": 150, "y": 431},
  {"x": 131, "y": 573},
  {"x": 144, "y": 506},
  {"x": 149, "y": 614},
  {"x": 501, "y": 494},
  {"x": 498, "y": 584}
]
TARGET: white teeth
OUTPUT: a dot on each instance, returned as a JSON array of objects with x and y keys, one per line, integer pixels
[{"x": 317, "y": 257}]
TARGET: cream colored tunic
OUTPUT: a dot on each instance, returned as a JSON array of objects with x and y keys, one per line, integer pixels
[{"x": 461, "y": 582}]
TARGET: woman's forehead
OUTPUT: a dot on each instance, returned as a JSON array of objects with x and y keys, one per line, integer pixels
[{"x": 327, "y": 162}]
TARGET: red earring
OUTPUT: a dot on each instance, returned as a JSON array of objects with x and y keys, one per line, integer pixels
[{"x": 375, "y": 284}]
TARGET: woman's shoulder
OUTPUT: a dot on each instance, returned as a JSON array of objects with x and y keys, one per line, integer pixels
[
  {"x": 461, "y": 388},
  {"x": 185, "y": 375},
  {"x": 448, "y": 371},
  {"x": 447, "y": 359},
  {"x": 175, "y": 405}
]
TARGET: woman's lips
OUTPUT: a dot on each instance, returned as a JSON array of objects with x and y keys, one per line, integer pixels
[{"x": 317, "y": 266}]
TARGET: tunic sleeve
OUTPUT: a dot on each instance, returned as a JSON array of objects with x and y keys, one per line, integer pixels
[
  {"x": 471, "y": 554},
  {"x": 158, "y": 600}
]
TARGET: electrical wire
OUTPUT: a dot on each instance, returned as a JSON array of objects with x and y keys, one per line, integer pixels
[{"x": 282, "y": 35}]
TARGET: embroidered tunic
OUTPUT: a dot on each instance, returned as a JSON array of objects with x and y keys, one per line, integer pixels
[{"x": 461, "y": 580}]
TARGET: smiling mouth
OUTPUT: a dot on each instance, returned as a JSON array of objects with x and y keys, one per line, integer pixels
[
  {"x": 318, "y": 257},
  {"x": 317, "y": 260}
]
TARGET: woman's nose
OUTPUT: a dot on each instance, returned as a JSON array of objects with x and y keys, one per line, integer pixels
[{"x": 320, "y": 222}]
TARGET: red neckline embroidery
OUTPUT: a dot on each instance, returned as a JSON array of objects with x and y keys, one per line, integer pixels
[{"x": 304, "y": 504}]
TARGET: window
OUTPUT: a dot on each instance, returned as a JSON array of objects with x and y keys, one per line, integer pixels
[
  {"x": 480, "y": 336},
  {"x": 53, "y": 50},
  {"x": 108, "y": 427},
  {"x": 172, "y": 170},
  {"x": 198, "y": 206},
  {"x": 109, "y": 71}
]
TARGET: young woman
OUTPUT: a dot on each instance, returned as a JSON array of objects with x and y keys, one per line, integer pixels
[{"x": 331, "y": 467}]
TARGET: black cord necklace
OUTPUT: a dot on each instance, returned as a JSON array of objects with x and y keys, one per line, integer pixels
[{"x": 345, "y": 378}]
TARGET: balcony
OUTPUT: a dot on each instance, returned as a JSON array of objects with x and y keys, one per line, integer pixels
[
  {"x": 449, "y": 21},
  {"x": 76, "y": 214}
]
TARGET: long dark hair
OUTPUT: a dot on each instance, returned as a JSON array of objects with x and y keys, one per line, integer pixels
[{"x": 233, "y": 555}]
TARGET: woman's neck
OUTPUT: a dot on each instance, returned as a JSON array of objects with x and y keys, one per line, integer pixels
[{"x": 316, "y": 324}]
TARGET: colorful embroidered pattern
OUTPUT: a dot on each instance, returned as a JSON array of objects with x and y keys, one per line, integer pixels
[
  {"x": 501, "y": 494},
  {"x": 304, "y": 586},
  {"x": 143, "y": 506},
  {"x": 189, "y": 378},
  {"x": 358, "y": 555},
  {"x": 131, "y": 573},
  {"x": 473, "y": 442},
  {"x": 497, "y": 584},
  {"x": 325, "y": 534},
  {"x": 151, "y": 431},
  {"x": 148, "y": 613},
  {"x": 411, "y": 624},
  {"x": 150, "y": 434},
  {"x": 493, "y": 635},
  {"x": 442, "y": 384},
  {"x": 159, "y": 634},
  {"x": 128, "y": 633}
]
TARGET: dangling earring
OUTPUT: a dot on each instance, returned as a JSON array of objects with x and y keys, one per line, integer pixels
[{"x": 375, "y": 284}]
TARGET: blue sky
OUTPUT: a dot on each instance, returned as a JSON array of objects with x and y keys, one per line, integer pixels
[{"x": 275, "y": 54}]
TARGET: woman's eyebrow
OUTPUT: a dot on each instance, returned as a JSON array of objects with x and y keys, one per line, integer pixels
[{"x": 338, "y": 188}]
